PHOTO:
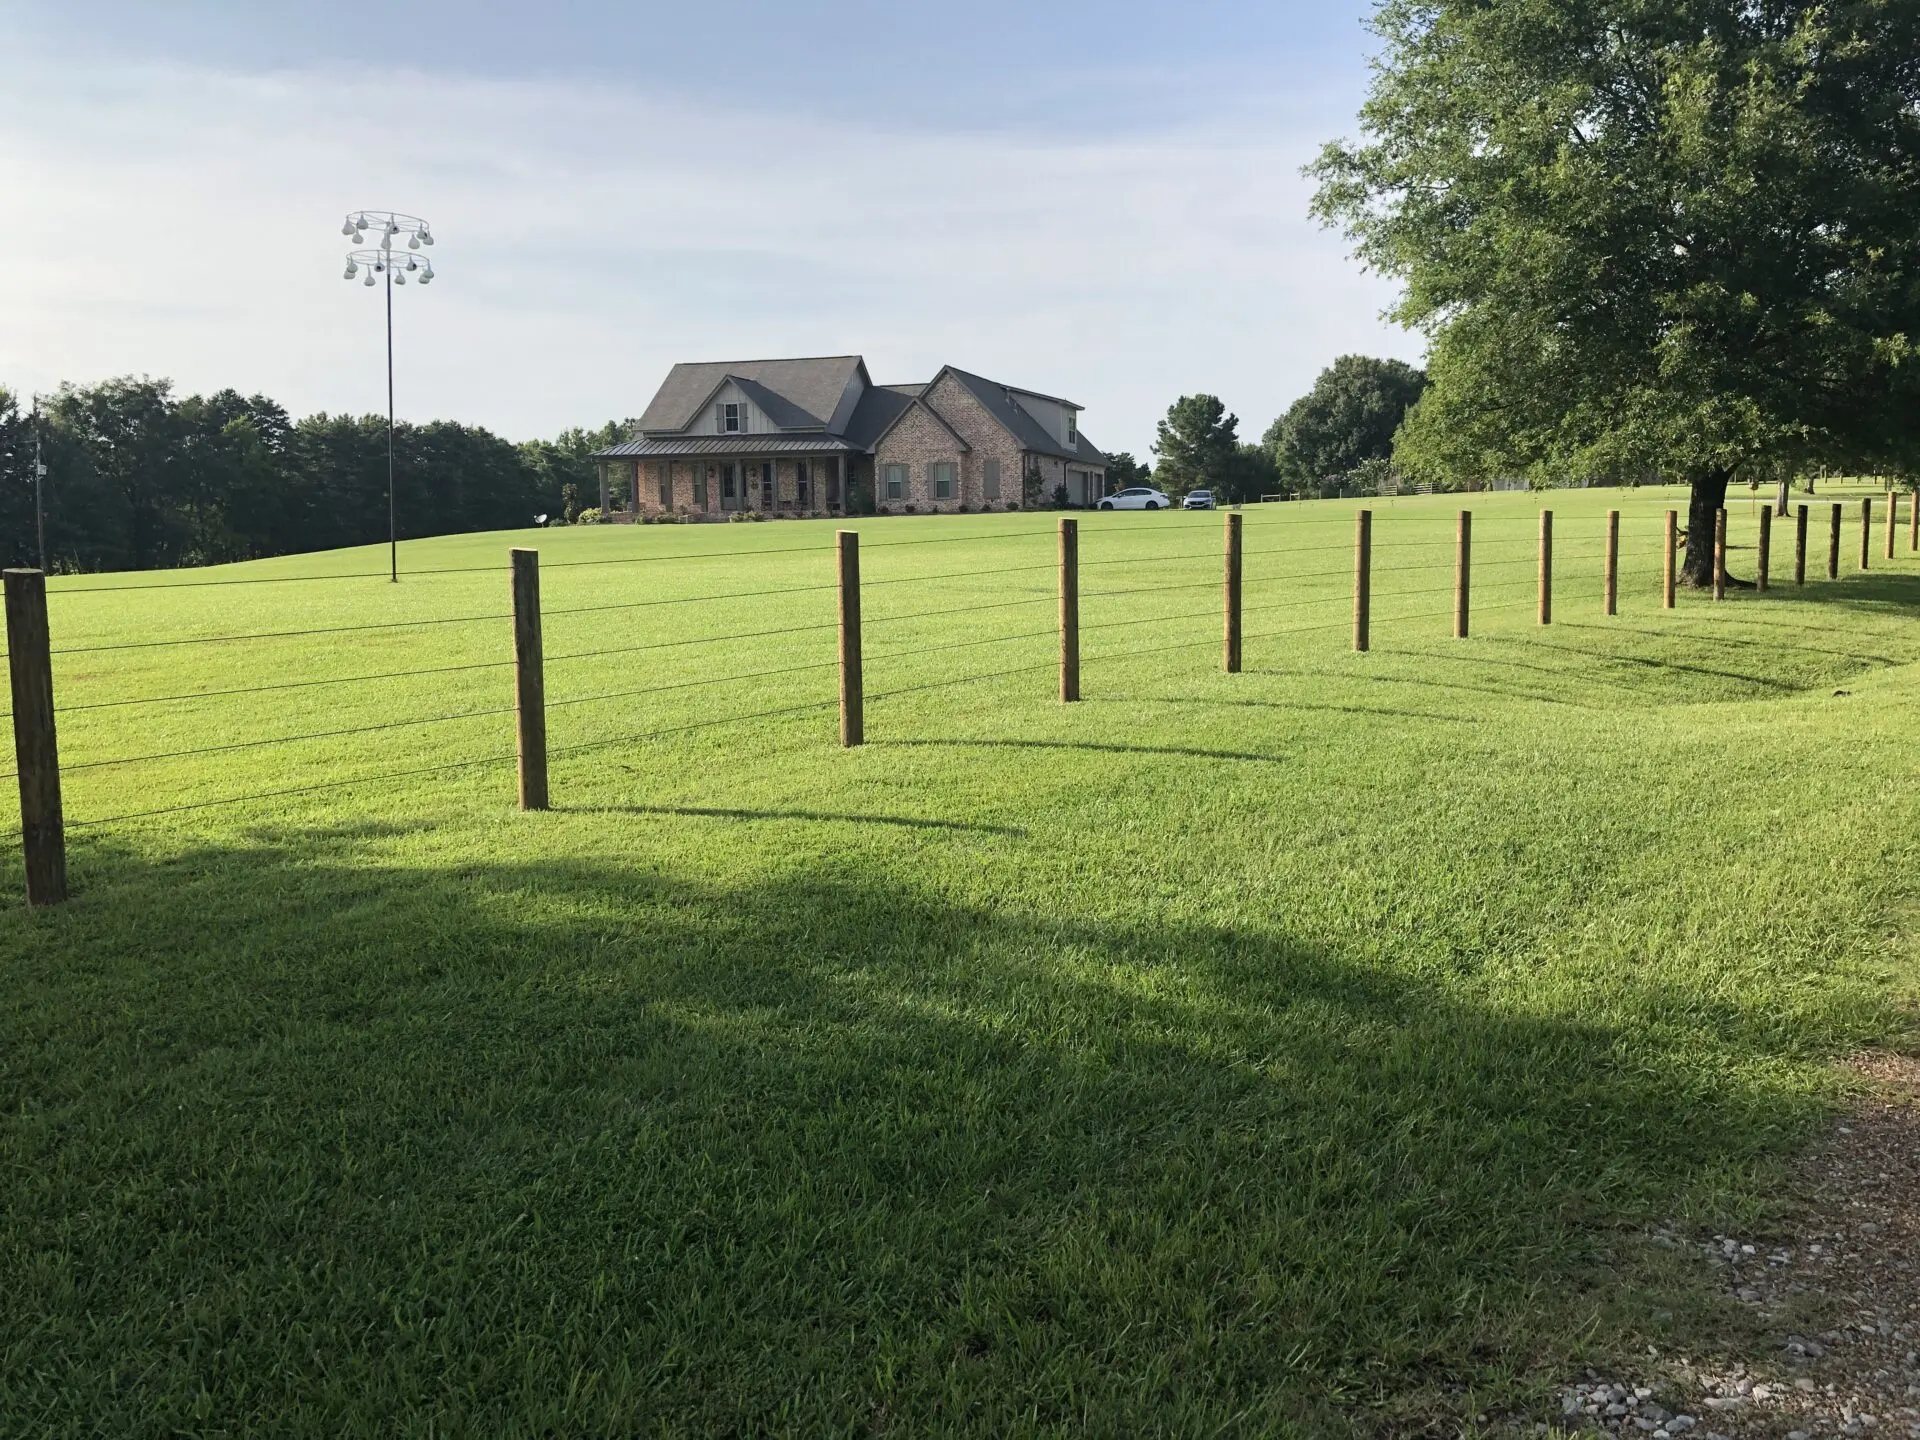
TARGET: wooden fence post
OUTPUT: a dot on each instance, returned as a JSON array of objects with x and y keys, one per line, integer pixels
[
  {"x": 1362, "y": 578},
  {"x": 1462, "y": 572},
  {"x": 1069, "y": 609},
  {"x": 853, "y": 695},
  {"x": 1720, "y": 553},
  {"x": 1546, "y": 567},
  {"x": 529, "y": 681},
  {"x": 1866, "y": 529},
  {"x": 1800, "y": 546},
  {"x": 1766, "y": 549},
  {"x": 36, "y": 751},
  {"x": 1611, "y": 586},
  {"x": 1893, "y": 511},
  {"x": 1231, "y": 598},
  {"x": 1673, "y": 541},
  {"x": 1833, "y": 545}
]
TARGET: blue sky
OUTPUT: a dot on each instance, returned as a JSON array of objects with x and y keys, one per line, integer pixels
[{"x": 1097, "y": 200}]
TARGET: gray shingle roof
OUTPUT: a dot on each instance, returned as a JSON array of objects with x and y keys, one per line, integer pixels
[
  {"x": 878, "y": 408},
  {"x": 812, "y": 386},
  {"x": 750, "y": 446},
  {"x": 1000, "y": 403},
  {"x": 777, "y": 408}
]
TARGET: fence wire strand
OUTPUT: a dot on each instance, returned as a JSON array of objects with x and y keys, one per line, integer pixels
[{"x": 287, "y": 739}]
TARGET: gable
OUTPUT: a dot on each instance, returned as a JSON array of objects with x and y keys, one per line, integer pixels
[
  {"x": 919, "y": 423},
  {"x": 815, "y": 388}
]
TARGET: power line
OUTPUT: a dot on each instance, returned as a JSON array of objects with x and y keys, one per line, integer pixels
[
  {"x": 694, "y": 684},
  {"x": 292, "y": 790},
  {"x": 276, "y": 634},
  {"x": 286, "y": 739}
]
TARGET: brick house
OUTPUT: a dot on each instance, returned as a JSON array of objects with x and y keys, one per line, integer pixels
[{"x": 817, "y": 436}]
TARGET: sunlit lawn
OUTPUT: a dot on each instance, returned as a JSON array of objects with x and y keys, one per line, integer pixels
[{"x": 1224, "y": 1054}]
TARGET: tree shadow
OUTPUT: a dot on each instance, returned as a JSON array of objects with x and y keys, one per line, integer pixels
[
  {"x": 1382, "y": 711},
  {"x": 825, "y": 817},
  {"x": 1418, "y": 682},
  {"x": 1092, "y": 746},
  {"x": 302, "y": 1137},
  {"x": 1736, "y": 641}
]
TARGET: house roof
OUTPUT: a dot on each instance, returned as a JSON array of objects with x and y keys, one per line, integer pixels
[
  {"x": 812, "y": 386},
  {"x": 818, "y": 394},
  {"x": 917, "y": 402},
  {"x": 776, "y": 407},
  {"x": 999, "y": 402},
  {"x": 876, "y": 412},
  {"x": 745, "y": 446}
]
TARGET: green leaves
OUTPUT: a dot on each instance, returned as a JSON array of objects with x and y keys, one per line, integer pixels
[
  {"x": 1348, "y": 418},
  {"x": 1198, "y": 443},
  {"x": 1677, "y": 235}
]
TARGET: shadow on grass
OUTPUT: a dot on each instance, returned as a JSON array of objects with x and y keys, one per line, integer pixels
[
  {"x": 1094, "y": 746},
  {"x": 1418, "y": 681},
  {"x": 1615, "y": 627},
  {"x": 1383, "y": 711},
  {"x": 301, "y": 1138},
  {"x": 825, "y": 817},
  {"x": 1654, "y": 662}
]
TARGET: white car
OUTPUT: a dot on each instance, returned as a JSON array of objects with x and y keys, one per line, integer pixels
[{"x": 1137, "y": 497}]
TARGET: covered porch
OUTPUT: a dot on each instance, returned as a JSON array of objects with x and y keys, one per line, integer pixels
[{"x": 712, "y": 477}]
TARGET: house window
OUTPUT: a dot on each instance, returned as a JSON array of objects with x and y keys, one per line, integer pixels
[
  {"x": 803, "y": 484},
  {"x": 1073, "y": 429},
  {"x": 733, "y": 418},
  {"x": 895, "y": 479},
  {"x": 833, "y": 482},
  {"x": 729, "y": 483},
  {"x": 941, "y": 474},
  {"x": 990, "y": 480},
  {"x": 766, "y": 485},
  {"x": 700, "y": 478},
  {"x": 666, "y": 486}
]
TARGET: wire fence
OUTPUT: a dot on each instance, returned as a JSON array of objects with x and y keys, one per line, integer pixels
[{"x": 1390, "y": 564}]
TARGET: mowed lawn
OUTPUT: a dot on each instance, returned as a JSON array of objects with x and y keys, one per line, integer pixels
[{"x": 1286, "y": 1052}]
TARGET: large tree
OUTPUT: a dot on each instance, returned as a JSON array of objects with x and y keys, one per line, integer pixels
[
  {"x": 1673, "y": 236},
  {"x": 1349, "y": 416},
  {"x": 1198, "y": 444}
]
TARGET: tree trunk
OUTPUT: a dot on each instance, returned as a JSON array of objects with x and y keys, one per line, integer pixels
[{"x": 1708, "y": 497}]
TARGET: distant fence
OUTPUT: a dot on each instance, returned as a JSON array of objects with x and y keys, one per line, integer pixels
[{"x": 30, "y": 651}]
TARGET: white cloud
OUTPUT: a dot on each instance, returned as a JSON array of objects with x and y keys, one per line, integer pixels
[{"x": 181, "y": 222}]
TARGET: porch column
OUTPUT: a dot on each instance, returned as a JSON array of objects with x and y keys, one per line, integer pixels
[{"x": 603, "y": 489}]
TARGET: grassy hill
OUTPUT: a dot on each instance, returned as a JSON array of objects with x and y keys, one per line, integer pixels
[{"x": 1236, "y": 1054}]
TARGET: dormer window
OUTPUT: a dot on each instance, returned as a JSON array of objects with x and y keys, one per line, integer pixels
[
  {"x": 733, "y": 418},
  {"x": 1073, "y": 429}
]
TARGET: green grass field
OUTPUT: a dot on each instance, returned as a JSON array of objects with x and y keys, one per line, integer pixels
[{"x": 1292, "y": 1052}]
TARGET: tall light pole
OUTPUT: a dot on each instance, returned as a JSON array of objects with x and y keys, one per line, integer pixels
[
  {"x": 39, "y": 479},
  {"x": 395, "y": 266}
]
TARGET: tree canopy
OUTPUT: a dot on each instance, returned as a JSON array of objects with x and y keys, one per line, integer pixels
[
  {"x": 139, "y": 478},
  {"x": 1648, "y": 235},
  {"x": 1123, "y": 471},
  {"x": 1348, "y": 417},
  {"x": 1198, "y": 444}
]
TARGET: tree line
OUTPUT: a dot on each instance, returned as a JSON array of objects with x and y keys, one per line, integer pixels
[
  {"x": 138, "y": 477},
  {"x": 1340, "y": 434}
]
